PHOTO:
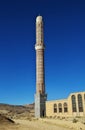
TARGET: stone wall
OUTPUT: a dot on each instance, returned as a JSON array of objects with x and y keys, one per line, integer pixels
[{"x": 65, "y": 108}]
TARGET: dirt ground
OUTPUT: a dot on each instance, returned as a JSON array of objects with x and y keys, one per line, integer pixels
[{"x": 43, "y": 124}]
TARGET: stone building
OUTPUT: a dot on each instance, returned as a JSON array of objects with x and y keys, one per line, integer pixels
[{"x": 74, "y": 105}]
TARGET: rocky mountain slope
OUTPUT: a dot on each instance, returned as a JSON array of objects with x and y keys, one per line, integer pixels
[{"x": 17, "y": 112}]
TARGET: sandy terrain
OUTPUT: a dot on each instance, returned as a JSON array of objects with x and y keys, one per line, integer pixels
[
  {"x": 43, "y": 124},
  {"x": 31, "y": 125}
]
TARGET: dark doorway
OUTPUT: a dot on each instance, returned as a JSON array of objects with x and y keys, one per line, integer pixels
[{"x": 43, "y": 113}]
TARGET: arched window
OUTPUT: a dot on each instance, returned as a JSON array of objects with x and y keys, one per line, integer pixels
[
  {"x": 55, "y": 108},
  {"x": 73, "y": 103},
  {"x": 65, "y": 107},
  {"x": 80, "y": 104},
  {"x": 60, "y": 107},
  {"x": 84, "y": 97}
]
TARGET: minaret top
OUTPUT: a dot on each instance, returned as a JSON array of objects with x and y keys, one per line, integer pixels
[
  {"x": 39, "y": 19},
  {"x": 39, "y": 33}
]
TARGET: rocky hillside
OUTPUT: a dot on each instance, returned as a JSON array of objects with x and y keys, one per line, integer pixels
[
  {"x": 5, "y": 120},
  {"x": 15, "y": 111}
]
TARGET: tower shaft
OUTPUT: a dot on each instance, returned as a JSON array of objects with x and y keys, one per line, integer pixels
[
  {"x": 40, "y": 96},
  {"x": 39, "y": 47},
  {"x": 40, "y": 79}
]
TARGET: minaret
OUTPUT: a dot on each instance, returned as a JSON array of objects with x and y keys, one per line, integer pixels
[{"x": 40, "y": 96}]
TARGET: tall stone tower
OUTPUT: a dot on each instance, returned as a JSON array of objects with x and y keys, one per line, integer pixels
[{"x": 40, "y": 96}]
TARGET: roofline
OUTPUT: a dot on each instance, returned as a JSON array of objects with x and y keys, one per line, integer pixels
[{"x": 65, "y": 98}]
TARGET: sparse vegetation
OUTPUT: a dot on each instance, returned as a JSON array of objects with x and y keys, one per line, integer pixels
[{"x": 75, "y": 120}]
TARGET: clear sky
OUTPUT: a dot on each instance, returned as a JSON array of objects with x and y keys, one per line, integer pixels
[{"x": 64, "y": 38}]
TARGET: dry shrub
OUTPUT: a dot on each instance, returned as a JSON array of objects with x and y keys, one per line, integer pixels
[{"x": 75, "y": 120}]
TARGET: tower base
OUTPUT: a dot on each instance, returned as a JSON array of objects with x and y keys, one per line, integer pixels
[{"x": 40, "y": 105}]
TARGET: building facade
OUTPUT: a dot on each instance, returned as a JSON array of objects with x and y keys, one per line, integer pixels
[{"x": 74, "y": 105}]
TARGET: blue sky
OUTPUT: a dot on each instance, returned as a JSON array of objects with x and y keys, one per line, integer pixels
[{"x": 64, "y": 38}]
